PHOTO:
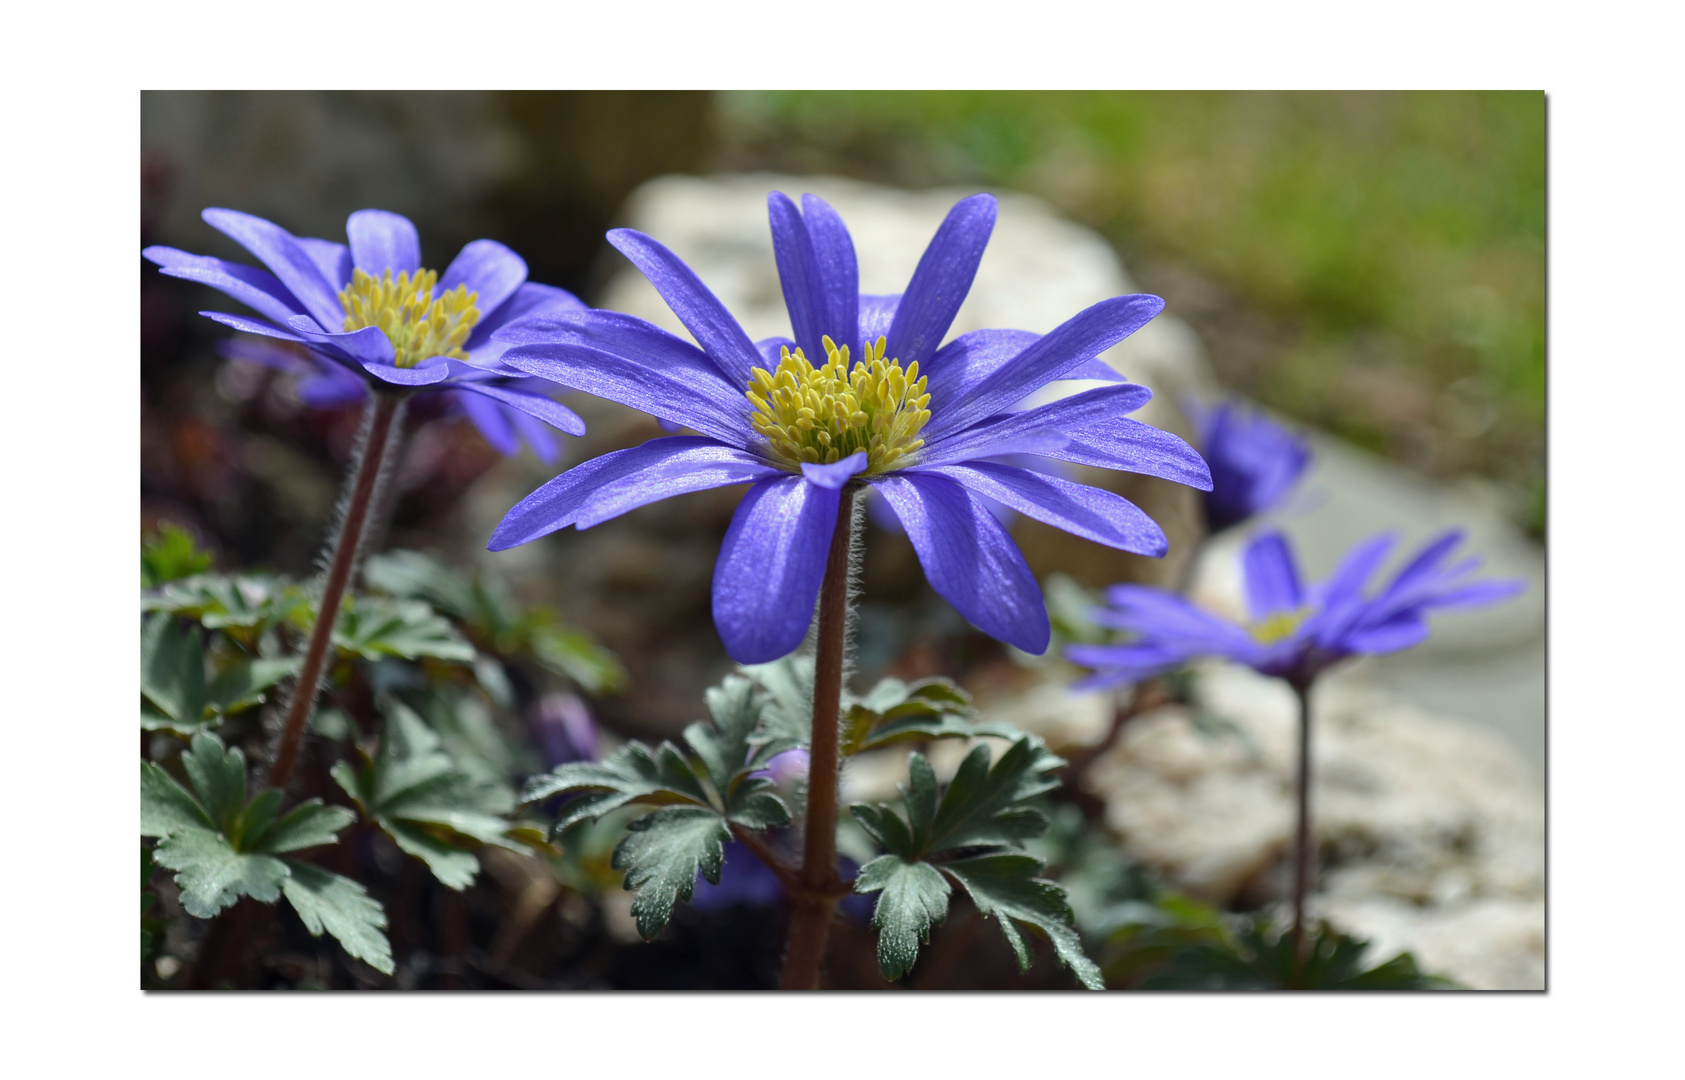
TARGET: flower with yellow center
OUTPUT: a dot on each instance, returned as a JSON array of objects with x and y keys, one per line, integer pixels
[
  {"x": 820, "y": 415},
  {"x": 417, "y": 324},
  {"x": 1276, "y": 626}
]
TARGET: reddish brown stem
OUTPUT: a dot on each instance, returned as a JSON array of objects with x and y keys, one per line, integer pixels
[
  {"x": 1304, "y": 855},
  {"x": 374, "y": 449},
  {"x": 819, "y": 888}
]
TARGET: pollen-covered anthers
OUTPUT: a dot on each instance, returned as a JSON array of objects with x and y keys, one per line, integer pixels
[
  {"x": 416, "y": 323},
  {"x": 823, "y": 414},
  {"x": 1277, "y": 626}
]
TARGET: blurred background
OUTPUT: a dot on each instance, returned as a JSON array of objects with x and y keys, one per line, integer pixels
[{"x": 1370, "y": 265}]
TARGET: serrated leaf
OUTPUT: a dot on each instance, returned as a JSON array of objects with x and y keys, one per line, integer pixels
[
  {"x": 630, "y": 775},
  {"x": 327, "y": 901},
  {"x": 229, "y": 603},
  {"x": 430, "y": 808},
  {"x": 212, "y": 875},
  {"x": 755, "y": 807},
  {"x": 912, "y": 896},
  {"x": 411, "y": 575},
  {"x": 218, "y": 776},
  {"x": 454, "y": 867},
  {"x": 789, "y": 685},
  {"x": 172, "y": 669},
  {"x": 170, "y": 554},
  {"x": 662, "y": 854},
  {"x": 166, "y": 806},
  {"x": 1006, "y": 888},
  {"x": 578, "y": 657},
  {"x": 373, "y": 627},
  {"x": 245, "y": 684},
  {"x": 308, "y": 824},
  {"x": 978, "y": 807}
]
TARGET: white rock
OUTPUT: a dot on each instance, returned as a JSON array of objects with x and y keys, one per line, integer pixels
[{"x": 1432, "y": 830}]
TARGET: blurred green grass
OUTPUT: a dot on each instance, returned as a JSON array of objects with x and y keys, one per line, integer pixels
[{"x": 1373, "y": 263}]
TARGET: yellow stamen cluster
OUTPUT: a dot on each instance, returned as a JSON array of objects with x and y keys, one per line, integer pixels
[
  {"x": 1277, "y": 626},
  {"x": 823, "y": 414},
  {"x": 417, "y": 324}
]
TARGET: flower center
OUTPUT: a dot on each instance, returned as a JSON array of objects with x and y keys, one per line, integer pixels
[
  {"x": 417, "y": 325},
  {"x": 823, "y": 414},
  {"x": 1277, "y": 626}
]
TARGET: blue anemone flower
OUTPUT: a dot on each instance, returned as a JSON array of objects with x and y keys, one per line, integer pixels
[
  {"x": 323, "y": 384},
  {"x": 1292, "y": 631},
  {"x": 865, "y": 392},
  {"x": 373, "y": 310},
  {"x": 1254, "y": 461}
]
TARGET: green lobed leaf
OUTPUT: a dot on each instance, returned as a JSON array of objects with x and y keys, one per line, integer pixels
[
  {"x": 912, "y": 896},
  {"x": 1005, "y": 886},
  {"x": 789, "y": 709},
  {"x": 662, "y": 854},
  {"x": 221, "y": 602},
  {"x": 430, "y": 808},
  {"x": 212, "y": 875},
  {"x": 218, "y": 776},
  {"x": 576, "y": 656},
  {"x": 172, "y": 669},
  {"x": 169, "y": 554},
  {"x": 308, "y": 824},
  {"x": 342, "y": 907},
  {"x": 373, "y": 627},
  {"x": 246, "y": 683},
  {"x": 981, "y": 807},
  {"x": 167, "y": 807},
  {"x": 410, "y": 575}
]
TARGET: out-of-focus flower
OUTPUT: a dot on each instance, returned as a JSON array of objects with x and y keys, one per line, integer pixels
[
  {"x": 562, "y": 727},
  {"x": 1254, "y": 461},
  {"x": 786, "y": 769},
  {"x": 865, "y": 392},
  {"x": 1292, "y": 631},
  {"x": 371, "y": 308}
]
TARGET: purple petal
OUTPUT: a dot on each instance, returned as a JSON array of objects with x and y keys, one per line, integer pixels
[
  {"x": 530, "y": 300},
  {"x": 252, "y": 326},
  {"x": 772, "y": 350},
  {"x": 1089, "y": 512},
  {"x": 839, "y": 273},
  {"x": 270, "y": 356},
  {"x": 425, "y": 373},
  {"x": 999, "y": 435},
  {"x": 488, "y": 416},
  {"x": 279, "y": 250},
  {"x": 770, "y": 567},
  {"x": 333, "y": 260},
  {"x": 838, "y": 473},
  {"x": 1080, "y": 338},
  {"x": 804, "y": 293},
  {"x": 969, "y": 558},
  {"x": 1347, "y": 581},
  {"x": 551, "y": 412},
  {"x": 877, "y": 315},
  {"x": 1423, "y": 566},
  {"x": 257, "y": 289},
  {"x": 700, "y": 310},
  {"x": 680, "y": 473},
  {"x": 332, "y": 387},
  {"x": 369, "y": 345},
  {"x": 488, "y": 269},
  {"x": 557, "y": 503},
  {"x": 536, "y": 434},
  {"x": 1478, "y": 592},
  {"x": 675, "y": 395},
  {"x": 941, "y": 280},
  {"x": 1272, "y": 581},
  {"x": 1169, "y": 618},
  {"x": 382, "y": 241},
  {"x": 1403, "y": 632},
  {"x": 968, "y": 360},
  {"x": 1095, "y": 369}
]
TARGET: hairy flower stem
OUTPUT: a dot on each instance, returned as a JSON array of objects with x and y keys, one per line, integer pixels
[
  {"x": 374, "y": 451},
  {"x": 1304, "y": 856},
  {"x": 820, "y": 887}
]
